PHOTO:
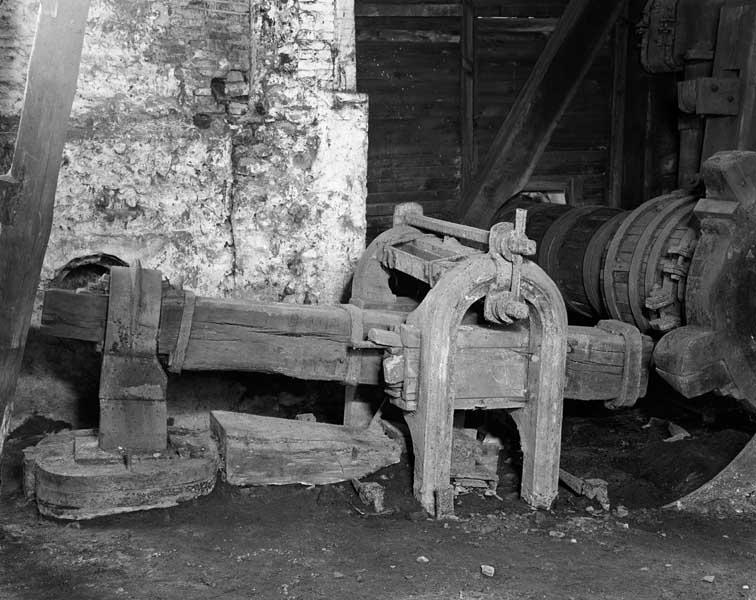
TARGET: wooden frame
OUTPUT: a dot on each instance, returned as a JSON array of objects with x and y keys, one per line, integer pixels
[{"x": 539, "y": 421}]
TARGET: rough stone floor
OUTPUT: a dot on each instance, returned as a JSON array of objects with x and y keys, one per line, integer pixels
[{"x": 310, "y": 543}]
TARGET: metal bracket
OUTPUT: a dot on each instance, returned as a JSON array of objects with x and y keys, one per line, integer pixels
[{"x": 507, "y": 244}]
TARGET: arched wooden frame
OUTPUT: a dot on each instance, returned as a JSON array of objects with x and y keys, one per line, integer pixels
[{"x": 438, "y": 318}]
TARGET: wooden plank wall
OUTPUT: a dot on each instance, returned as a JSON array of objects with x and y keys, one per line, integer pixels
[
  {"x": 506, "y": 50},
  {"x": 408, "y": 62}
]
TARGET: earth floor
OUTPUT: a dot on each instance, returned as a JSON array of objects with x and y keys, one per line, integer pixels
[{"x": 321, "y": 542}]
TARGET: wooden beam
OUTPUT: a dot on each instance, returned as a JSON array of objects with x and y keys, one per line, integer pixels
[
  {"x": 467, "y": 93},
  {"x": 735, "y": 56},
  {"x": 527, "y": 129},
  {"x": 617, "y": 124},
  {"x": 407, "y": 9},
  {"x": 27, "y": 192},
  {"x": 344, "y": 63}
]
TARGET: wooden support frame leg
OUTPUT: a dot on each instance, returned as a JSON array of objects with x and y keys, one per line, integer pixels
[
  {"x": 437, "y": 319},
  {"x": 358, "y": 412},
  {"x": 539, "y": 423}
]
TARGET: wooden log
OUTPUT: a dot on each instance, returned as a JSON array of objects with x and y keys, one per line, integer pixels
[
  {"x": 269, "y": 451},
  {"x": 527, "y": 129},
  {"x": 27, "y": 192}
]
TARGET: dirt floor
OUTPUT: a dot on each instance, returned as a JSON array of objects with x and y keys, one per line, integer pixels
[{"x": 321, "y": 542}]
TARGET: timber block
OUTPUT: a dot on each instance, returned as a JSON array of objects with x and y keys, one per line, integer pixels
[
  {"x": 259, "y": 450},
  {"x": 473, "y": 463},
  {"x": 136, "y": 426},
  {"x": 102, "y": 483}
]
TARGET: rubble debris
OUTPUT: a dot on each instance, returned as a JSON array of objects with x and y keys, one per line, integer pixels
[
  {"x": 417, "y": 515},
  {"x": 676, "y": 432},
  {"x": 487, "y": 570},
  {"x": 371, "y": 494},
  {"x": 422, "y": 559},
  {"x": 308, "y": 417},
  {"x": 591, "y": 488},
  {"x": 489, "y": 493},
  {"x": 708, "y": 578},
  {"x": 653, "y": 421},
  {"x": 474, "y": 464},
  {"x": 398, "y": 433}
]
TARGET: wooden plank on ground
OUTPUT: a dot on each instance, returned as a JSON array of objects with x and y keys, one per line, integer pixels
[{"x": 259, "y": 450}]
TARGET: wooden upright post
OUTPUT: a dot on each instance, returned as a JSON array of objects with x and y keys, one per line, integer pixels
[
  {"x": 617, "y": 126},
  {"x": 467, "y": 91},
  {"x": 527, "y": 128},
  {"x": 27, "y": 192},
  {"x": 132, "y": 382}
]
